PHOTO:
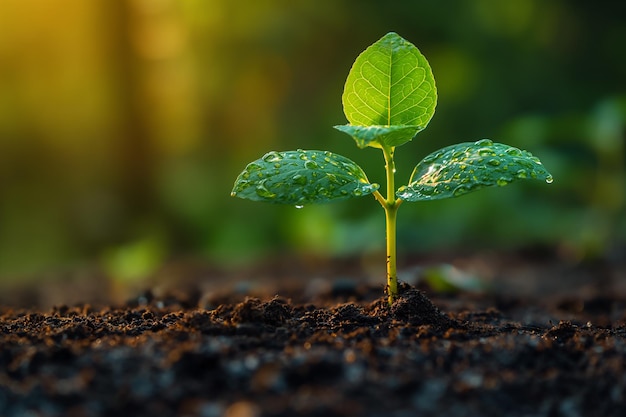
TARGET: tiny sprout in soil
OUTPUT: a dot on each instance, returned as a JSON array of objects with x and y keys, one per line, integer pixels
[{"x": 389, "y": 97}]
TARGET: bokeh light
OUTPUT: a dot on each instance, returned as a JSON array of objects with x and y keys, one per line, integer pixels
[{"x": 123, "y": 125}]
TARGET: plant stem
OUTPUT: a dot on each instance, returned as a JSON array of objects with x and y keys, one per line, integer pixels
[
  {"x": 392, "y": 275},
  {"x": 391, "y": 204}
]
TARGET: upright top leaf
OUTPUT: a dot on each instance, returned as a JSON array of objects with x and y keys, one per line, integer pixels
[{"x": 390, "y": 84}]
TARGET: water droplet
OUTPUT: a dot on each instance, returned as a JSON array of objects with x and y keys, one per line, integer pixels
[
  {"x": 502, "y": 181},
  {"x": 521, "y": 174},
  {"x": 272, "y": 156},
  {"x": 299, "y": 206},
  {"x": 332, "y": 178},
  {"x": 276, "y": 165},
  {"x": 264, "y": 192},
  {"x": 494, "y": 162},
  {"x": 484, "y": 142},
  {"x": 486, "y": 152},
  {"x": 357, "y": 192},
  {"x": 549, "y": 179},
  {"x": 513, "y": 152},
  {"x": 310, "y": 165},
  {"x": 299, "y": 179}
]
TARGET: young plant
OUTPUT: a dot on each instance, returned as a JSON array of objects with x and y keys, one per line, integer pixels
[{"x": 389, "y": 97}]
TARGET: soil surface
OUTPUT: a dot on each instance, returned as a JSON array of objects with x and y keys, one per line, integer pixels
[{"x": 337, "y": 351}]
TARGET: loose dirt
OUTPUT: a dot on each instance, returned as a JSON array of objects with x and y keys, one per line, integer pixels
[{"x": 341, "y": 352}]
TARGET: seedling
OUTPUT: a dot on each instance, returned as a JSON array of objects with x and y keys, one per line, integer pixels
[{"x": 388, "y": 98}]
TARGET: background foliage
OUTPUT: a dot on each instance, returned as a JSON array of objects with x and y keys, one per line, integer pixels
[{"x": 123, "y": 125}]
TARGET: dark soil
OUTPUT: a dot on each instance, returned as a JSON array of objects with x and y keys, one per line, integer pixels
[{"x": 341, "y": 352}]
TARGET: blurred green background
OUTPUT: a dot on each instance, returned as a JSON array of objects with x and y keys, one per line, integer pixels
[{"x": 123, "y": 125}]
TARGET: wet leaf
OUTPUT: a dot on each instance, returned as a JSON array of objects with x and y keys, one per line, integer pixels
[
  {"x": 375, "y": 136},
  {"x": 390, "y": 84},
  {"x": 302, "y": 177},
  {"x": 466, "y": 167}
]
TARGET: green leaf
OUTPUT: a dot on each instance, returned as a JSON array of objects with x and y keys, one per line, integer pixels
[
  {"x": 465, "y": 167},
  {"x": 375, "y": 136},
  {"x": 302, "y": 177},
  {"x": 390, "y": 84}
]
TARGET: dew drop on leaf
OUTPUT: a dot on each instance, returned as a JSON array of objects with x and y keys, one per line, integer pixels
[
  {"x": 332, "y": 178},
  {"x": 299, "y": 206},
  {"x": 272, "y": 156},
  {"x": 264, "y": 192},
  {"x": 310, "y": 165},
  {"x": 299, "y": 179},
  {"x": 502, "y": 181},
  {"x": 549, "y": 179},
  {"x": 484, "y": 142},
  {"x": 513, "y": 152},
  {"x": 486, "y": 152}
]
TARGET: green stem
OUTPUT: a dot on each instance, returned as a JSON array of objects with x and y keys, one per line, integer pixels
[
  {"x": 391, "y": 204},
  {"x": 392, "y": 275}
]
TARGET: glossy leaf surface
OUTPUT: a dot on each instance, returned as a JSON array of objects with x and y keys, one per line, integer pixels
[
  {"x": 390, "y": 84},
  {"x": 302, "y": 177},
  {"x": 465, "y": 167},
  {"x": 375, "y": 136}
]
